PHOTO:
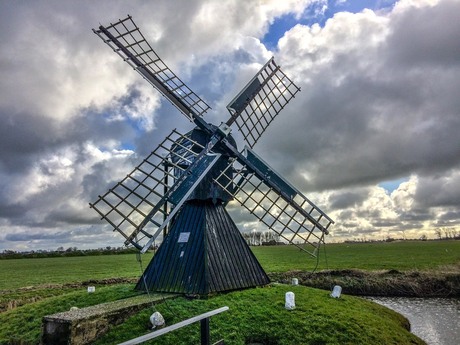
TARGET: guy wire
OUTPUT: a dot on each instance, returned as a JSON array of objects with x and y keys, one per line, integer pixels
[
  {"x": 139, "y": 260},
  {"x": 164, "y": 300}
]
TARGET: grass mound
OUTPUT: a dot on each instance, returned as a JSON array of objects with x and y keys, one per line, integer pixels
[{"x": 258, "y": 316}]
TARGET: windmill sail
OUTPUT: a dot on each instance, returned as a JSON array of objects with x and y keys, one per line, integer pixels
[
  {"x": 256, "y": 106},
  {"x": 275, "y": 202},
  {"x": 167, "y": 176},
  {"x": 125, "y": 38}
]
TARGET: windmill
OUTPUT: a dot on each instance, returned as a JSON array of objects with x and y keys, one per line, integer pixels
[{"x": 182, "y": 188}]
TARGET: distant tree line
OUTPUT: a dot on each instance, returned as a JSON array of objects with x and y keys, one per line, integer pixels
[
  {"x": 262, "y": 238},
  {"x": 443, "y": 233},
  {"x": 66, "y": 252},
  {"x": 447, "y": 233}
]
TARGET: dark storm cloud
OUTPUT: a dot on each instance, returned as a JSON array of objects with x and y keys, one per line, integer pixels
[
  {"x": 38, "y": 236},
  {"x": 439, "y": 190},
  {"x": 386, "y": 224},
  {"x": 437, "y": 28},
  {"x": 347, "y": 199},
  {"x": 418, "y": 215},
  {"x": 23, "y": 136},
  {"x": 450, "y": 216},
  {"x": 358, "y": 134},
  {"x": 11, "y": 211}
]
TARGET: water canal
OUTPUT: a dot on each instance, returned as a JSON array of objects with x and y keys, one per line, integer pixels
[{"x": 435, "y": 320}]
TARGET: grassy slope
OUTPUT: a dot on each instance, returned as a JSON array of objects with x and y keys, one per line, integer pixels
[
  {"x": 22, "y": 325},
  {"x": 258, "y": 315}
]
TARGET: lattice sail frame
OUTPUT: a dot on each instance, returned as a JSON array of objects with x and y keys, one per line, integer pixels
[
  {"x": 280, "y": 206},
  {"x": 125, "y": 38},
  {"x": 257, "y": 105},
  {"x": 130, "y": 202}
]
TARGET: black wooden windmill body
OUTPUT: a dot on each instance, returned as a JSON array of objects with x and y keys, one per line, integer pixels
[{"x": 186, "y": 182}]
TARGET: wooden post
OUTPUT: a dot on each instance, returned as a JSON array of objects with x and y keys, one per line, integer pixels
[{"x": 205, "y": 331}]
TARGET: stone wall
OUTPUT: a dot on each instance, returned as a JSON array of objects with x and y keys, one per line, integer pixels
[{"x": 83, "y": 326}]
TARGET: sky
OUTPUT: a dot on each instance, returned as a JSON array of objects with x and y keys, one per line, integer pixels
[{"x": 372, "y": 138}]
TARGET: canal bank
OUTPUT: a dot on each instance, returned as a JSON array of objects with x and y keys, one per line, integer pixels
[{"x": 389, "y": 283}]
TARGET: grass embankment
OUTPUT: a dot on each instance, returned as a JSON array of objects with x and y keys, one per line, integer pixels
[
  {"x": 22, "y": 325},
  {"x": 408, "y": 268},
  {"x": 258, "y": 316}
]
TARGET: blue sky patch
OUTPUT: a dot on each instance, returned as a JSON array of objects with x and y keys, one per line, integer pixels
[
  {"x": 314, "y": 14},
  {"x": 391, "y": 185}
]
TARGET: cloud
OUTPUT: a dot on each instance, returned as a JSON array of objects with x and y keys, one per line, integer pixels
[
  {"x": 365, "y": 114},
  {"x": 378, "y": 103},
  {"x": 347, "y": 199}
]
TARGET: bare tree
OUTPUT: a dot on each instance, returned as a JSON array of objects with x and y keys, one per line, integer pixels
[
  {"x": 247, "y": 237},
  {"x": 257, "y": 238},
  {"x": 438, "y": 233}
]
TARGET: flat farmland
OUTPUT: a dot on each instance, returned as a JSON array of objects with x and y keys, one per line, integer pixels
[
  {"x": 398, "y": 255},
  {"x": 401, "y": 256},
  {"x": 17, "y": 273}
]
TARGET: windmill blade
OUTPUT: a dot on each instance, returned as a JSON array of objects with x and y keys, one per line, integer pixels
[
  {"x": 167, "y": 176},
  {"x": 275, "y": 202},
  {"x": 125, "y": 38},
  {"x": 256, "y": 106}
]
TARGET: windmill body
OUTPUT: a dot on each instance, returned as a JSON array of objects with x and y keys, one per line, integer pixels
[
  {"x": 204, "y": 251},
  {"x": 186, "y": 182}
]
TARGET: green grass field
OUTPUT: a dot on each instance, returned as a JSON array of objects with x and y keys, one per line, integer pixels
[
  {"x": 402, "y": 256},
  {"x": 29, "y": 272},
  {"x": 27, "y": 293}
]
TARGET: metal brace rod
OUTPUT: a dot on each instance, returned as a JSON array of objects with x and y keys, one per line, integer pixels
[{"x": 178, "y": 325}]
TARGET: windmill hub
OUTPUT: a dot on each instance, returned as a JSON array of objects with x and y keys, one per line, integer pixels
[{"x": 210, "y": 185}]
